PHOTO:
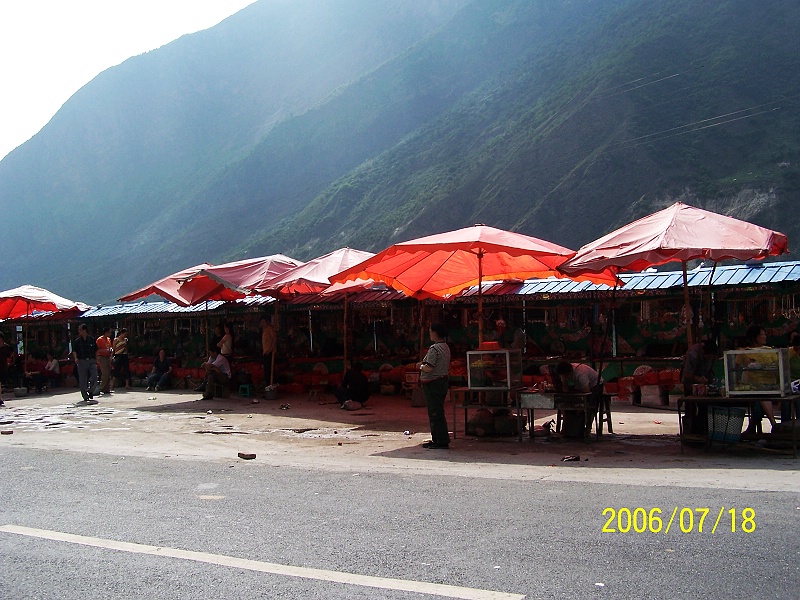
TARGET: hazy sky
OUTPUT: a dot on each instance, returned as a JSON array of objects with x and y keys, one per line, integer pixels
[{"x": 49, "y": 49}]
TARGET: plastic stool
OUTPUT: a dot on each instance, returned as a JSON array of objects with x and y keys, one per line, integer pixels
[
  {"x": 245, "y": 390},
  {"x": 604, "y": 413}
]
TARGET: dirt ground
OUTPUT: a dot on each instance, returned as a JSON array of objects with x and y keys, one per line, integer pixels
[{"x": 384, "y": 436}]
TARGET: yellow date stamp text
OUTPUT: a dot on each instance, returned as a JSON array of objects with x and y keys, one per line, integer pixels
[{"x": 679, "y": 519}]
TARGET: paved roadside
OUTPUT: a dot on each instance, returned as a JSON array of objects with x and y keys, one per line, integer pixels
[{"x": 385, "y": 436}]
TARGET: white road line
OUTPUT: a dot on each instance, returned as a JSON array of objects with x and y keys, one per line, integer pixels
[{"x": 421, "y": 587}]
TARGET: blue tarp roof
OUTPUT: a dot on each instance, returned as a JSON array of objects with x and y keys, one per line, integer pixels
[{"x": 724, "y": 276}]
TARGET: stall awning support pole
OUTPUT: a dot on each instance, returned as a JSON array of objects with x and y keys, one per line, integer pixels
[
  {"x": 310, "y": 333},
  {"x": 344, "y": 331},
  {"x": 687, "y": 307},
  {"x": 275, "y": 351}
]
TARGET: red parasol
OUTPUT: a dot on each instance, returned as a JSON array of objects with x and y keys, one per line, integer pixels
[
  {"x": 438, "y": 266},
  {"x": 26, "y": 299},
  {"x": 679, "y": 233},
  {"x": 168, "y": 287},
  {"x": 314, "y": 276},
  {"x": 234, "y": 280}
]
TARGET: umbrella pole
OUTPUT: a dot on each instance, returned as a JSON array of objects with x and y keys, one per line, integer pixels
[
  {"x": 205, "y": 315},
  {"x": 687, "y": 307},
  {"x": 310, "y": 333},
  {"x": 344, "y": 331},
  {"x": 421, "y": 329},
  {"x": 611, "y": 316},
  {"x": 25, "y": 337},
  {"x": 480, "y": 298},
  {"x": 272, "y": 358},
  {"x": 711, "y": 315}
]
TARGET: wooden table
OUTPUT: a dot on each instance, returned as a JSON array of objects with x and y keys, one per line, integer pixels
[{"x": 743, "y": 401}]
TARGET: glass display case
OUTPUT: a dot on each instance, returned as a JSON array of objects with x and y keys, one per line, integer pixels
[
  {"x": 494, "y": 369},
  {"x": 759, "y": 371}
]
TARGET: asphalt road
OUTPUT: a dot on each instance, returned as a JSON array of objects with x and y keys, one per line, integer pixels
[{"x": 84, "y": 525}]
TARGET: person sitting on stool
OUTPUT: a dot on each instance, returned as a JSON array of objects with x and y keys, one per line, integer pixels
[
  {"x": 580, "y": 378},
  {"x": 52, "y": 370},
  {"x": 354, "y": 386},
  {"x": 159, "y": 375},
  {"x": 218, "y": 371}
]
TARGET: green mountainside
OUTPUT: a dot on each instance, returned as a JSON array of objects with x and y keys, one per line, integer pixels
[{"x": 303, "y": 127}]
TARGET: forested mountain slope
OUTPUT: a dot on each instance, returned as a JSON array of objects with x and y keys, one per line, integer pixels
[{"x": 301, "y": 127}]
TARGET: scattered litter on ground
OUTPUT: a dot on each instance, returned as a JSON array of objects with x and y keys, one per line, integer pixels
[
  {"x": 570, "y": 458},
  {"x": 246, "y": 455}
]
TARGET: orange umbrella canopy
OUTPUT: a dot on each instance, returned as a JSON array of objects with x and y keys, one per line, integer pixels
[
  {"x": 314, "y": 276},
  {"x": 24, "y": 300},
  {"x": 676, "y": 234},
  {"x": 440, "y": 265},
  {"x": 168, "y": 287},
  {"x": 234, "y": 280}
]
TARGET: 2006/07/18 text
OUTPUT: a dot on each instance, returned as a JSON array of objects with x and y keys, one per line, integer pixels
[{"x": 687, "y": 520}]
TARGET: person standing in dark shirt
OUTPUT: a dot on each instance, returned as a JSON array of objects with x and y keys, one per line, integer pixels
[
  {"x": 434, "y": 371},
  {"x": 84, "y": 352}
]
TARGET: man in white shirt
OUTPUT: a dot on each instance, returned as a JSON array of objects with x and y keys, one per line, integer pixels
[
  {"x": 577, "y": 377},
  {"x": 218, "y": 370}
]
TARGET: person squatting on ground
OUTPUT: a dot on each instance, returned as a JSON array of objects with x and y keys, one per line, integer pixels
[
  {"x": 354, "y": 389},
  {"x": 434, "y": 378},
  {"x": 84, "y": 353}
]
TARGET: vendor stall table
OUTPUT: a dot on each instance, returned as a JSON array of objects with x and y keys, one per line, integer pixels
[
  {"x": 561, "y": 401},
  {"x": 742, "y": 401},
  {"x": 471, "y": 399}
]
